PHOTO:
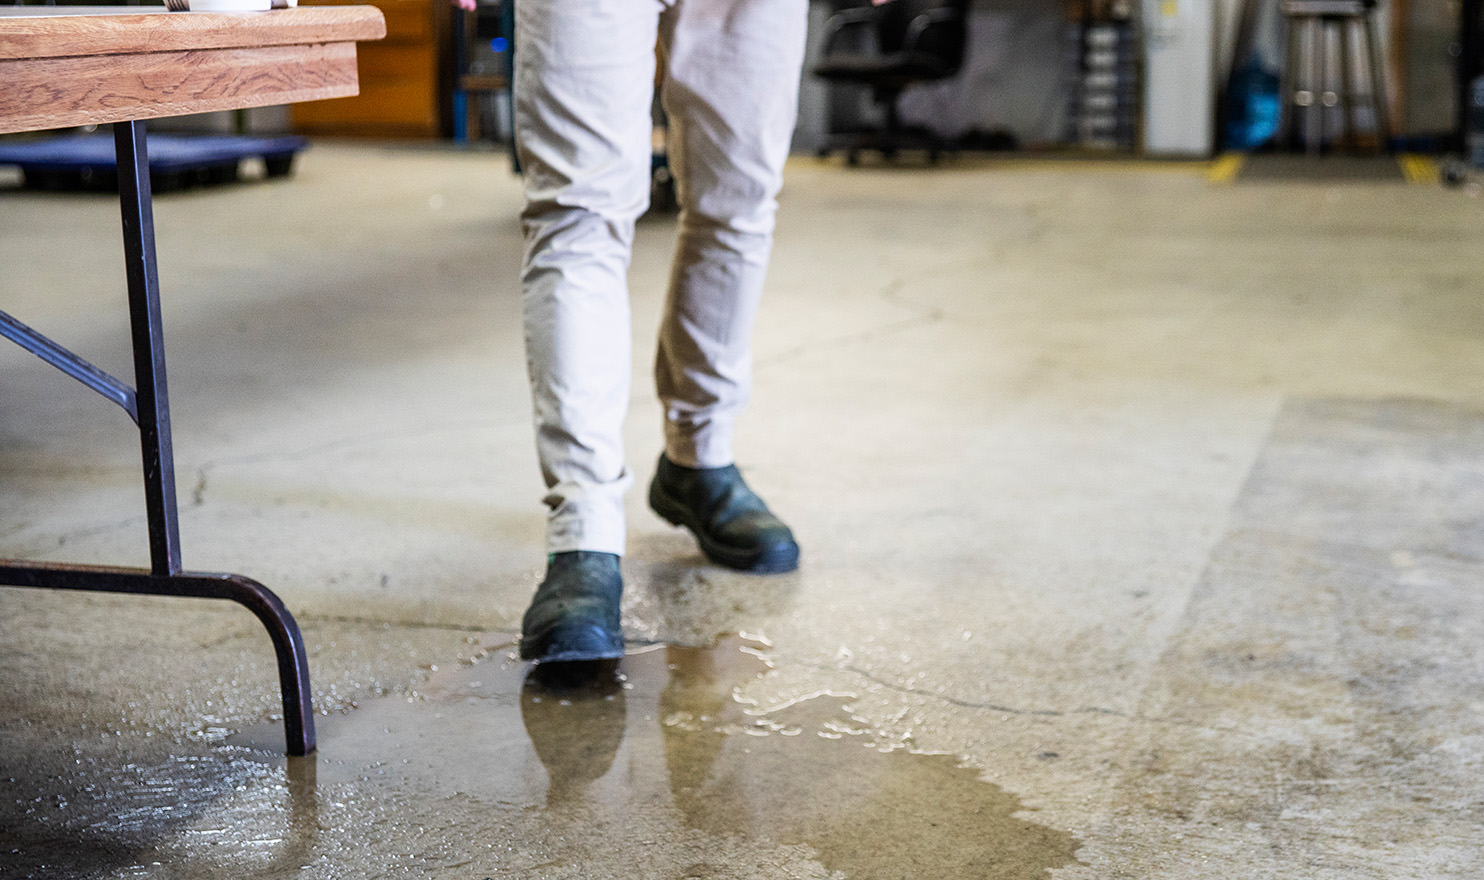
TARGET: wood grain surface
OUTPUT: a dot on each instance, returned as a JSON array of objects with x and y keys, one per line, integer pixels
[
  {"x": 64, "y": 70},
  {"x": 44, "y": 93},
  {"x": 53, "y": 36}
]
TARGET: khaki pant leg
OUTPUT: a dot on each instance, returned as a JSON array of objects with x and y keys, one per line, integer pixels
[
  {"x": 584, "y": 82},
  {"x": 731, "y": 94}
]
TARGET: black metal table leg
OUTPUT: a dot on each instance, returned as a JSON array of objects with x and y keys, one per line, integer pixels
[
  {"x": 153, "y": 400},
  {"x": 148, "y": 403},
  {"x": 288, "y": 644}
]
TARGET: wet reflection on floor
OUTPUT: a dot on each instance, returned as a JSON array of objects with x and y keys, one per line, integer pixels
[
  {"x": 97, "y": 808},
  {"x": 808, "y": 773},
  {"x": 655, "y": 766}
]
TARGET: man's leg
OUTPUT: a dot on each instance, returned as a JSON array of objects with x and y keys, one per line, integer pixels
[
  {"x": 731, "y": 94},
  {"x": 583, "y": 88}
]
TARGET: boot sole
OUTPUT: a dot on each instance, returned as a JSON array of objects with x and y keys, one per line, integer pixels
[
  {"x": 778, "y": 559},
  {"x": 571, "y": 643}
]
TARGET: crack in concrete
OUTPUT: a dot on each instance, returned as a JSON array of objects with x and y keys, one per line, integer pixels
[
  {"x": 397, "y": 624},
  {"x": 18, "y": 528},
  {"x": 890, "y": 292},
  {"x": 337, "y": 444},
  {"x": 60, "y": 540},
  {"x": 970, "y": 704},
  {"x": 1011, "y": 710}
]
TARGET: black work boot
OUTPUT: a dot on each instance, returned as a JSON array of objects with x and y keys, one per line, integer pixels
[
  {"x": 733, "y": 526},
  {"x": 574, "y": 614}
]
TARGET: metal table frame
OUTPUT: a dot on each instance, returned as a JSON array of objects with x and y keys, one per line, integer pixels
[{"x": 148, "y": 404}]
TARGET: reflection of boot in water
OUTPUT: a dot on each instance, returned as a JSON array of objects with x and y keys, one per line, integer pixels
[
  {"x": 691, "y": 708},
  {"x": 574, "y": 714}
]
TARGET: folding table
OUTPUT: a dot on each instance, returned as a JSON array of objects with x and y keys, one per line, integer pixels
[{"x": 69, "y": 66}]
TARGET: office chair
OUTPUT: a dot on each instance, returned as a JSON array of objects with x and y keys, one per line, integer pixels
[{"x": 907, "y": 42}]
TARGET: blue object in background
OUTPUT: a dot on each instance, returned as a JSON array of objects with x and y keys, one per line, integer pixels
[
  {"x": 175, "y": 161},
  {"x": 499, "y": 44},
  {"x": 1254, "y": 107}
]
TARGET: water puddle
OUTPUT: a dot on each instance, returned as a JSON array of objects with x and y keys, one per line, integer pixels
[
  {"x": 812, "y": 773},
  {"x": 652, "y": 767},
  {"x": 665, "y": 731}
]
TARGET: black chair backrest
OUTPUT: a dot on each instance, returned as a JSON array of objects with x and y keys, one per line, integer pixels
[{"x": 945, "y": 40}]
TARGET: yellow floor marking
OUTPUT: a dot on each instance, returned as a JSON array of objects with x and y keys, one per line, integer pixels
[
  {"x": 1013, "y": 162},
  {"x": 1418, "y": 170},
  {"x": 1224, "y": 168}
]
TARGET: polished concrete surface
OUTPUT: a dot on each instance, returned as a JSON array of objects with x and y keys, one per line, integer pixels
[{"x": 1141, "y": 519}]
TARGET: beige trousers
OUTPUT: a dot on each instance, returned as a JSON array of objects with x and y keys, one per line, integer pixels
[{"x": 584, "y": 84}]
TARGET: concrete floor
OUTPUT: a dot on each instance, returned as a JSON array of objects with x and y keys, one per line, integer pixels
[{"x": 1141, "y": 519}]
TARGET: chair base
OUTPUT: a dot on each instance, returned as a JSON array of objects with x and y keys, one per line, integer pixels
[{"x": 890, "y": 144}]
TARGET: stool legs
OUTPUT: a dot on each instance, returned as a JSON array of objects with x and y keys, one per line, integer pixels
[
  {"x": 1310, "y": 96},
  {"x": 1380, "y": 98},
  {"x": 1346, "y": 96},
  {"x": 1332, "y": 83},
  {"x": 1339, "y": 93}
]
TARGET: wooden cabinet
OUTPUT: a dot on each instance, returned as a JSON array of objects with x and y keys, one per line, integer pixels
[{"x": 403, "y": 77}]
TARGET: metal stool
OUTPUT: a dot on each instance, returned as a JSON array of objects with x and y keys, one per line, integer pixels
[{"x": 1333, "y": 87}]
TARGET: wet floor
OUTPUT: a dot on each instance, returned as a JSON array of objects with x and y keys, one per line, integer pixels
[
  {"x": 1141, "y": 527},
  {"x": 498, "y": 768}
]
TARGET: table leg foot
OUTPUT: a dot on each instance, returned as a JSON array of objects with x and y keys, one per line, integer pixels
[{"x": 288, "y": 644}]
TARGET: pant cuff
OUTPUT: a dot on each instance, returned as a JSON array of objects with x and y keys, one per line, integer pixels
[
  {"x": 586, "y": 520},
  {"x": 709, "y": 446}
]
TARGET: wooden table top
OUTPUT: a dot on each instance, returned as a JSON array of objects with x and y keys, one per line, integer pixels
[{"x": 67, "y": 66}]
